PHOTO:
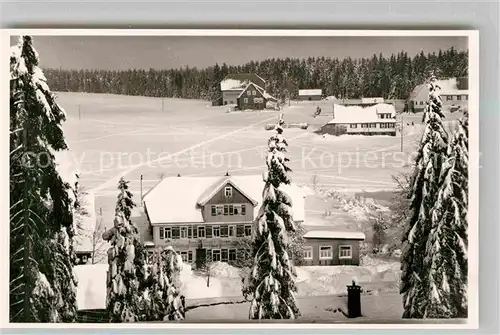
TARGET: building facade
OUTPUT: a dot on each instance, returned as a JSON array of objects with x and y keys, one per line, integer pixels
[
  {"x": 378, "y": 119},
  {"x": 332, "y": 248},
  {"x": 310, "y": 94},
  {"x": 454, "y": 94},
  {"x": 204, "y": 217}
]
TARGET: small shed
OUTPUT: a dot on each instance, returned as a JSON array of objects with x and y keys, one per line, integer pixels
[
  {"x": 332, "y": 247},
  {"x": 310, "y": 94}
]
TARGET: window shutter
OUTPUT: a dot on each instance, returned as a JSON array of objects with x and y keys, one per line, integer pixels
[
  {"x": 208, "y": 231},
  {"x": 195, "y": 232},
  {"x": 190, "y": 232},
  {"x": 243, "y": 209},
  {"x": 176, "y": 232},
  {"x": 240, "y": 231},
  {"x": 224, "y": 231},
  {"x": 224, "y": 255}
]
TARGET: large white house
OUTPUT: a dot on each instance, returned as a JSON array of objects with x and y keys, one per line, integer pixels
[
  {"x": 379, "y": 119},
  {"x": 205, "y": 216},
  {"x": 453, "y": 91}
]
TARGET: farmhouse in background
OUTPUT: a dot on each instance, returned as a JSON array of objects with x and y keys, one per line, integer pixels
[
  {"x": 379, "y": 119},
  {"x": 246, "y": 91},
  {"x": 204, "y": 217},
  {"x": 332, "y": 248},
  {"x": 454, "y": 93},
  {"x": 254, "y": 97},
  {"x": 310, "y": 94}
]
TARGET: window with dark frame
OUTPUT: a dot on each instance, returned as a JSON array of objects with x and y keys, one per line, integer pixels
[
  {"x": 248, "y": 230},
  {"x": 232, "y": 255},
  {"x": 201, "y": 232},
  {"x": 325, "y": 252},
  {"x": 216, "y": 231},
  {"x": 168, "y": 233},
  {"x": 161, "y": 233},
  {"x": 345, "y": 251},
  {"x": 224, "y": 255},
  {"x": 184, "y": 232},
  {"x": 224, "y": 231},
  {"x": 228, "y": 191},
  {"x": 214, "y": 210},
  {"x": 216, "y": 255},
  {"x": 232, "y": 231}
]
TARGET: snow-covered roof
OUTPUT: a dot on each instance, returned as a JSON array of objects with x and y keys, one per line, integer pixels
[
  {"x": 175, "y": 199},
  {"x": 212, "y": 191},
  {"x": 372, "y": 100},
  {"x": 262, "y": 91},
  {"x": 446, "y": 87},
  {"x": 233, "y": 85},
  {"x": 359, "y": 114},
  {"x": 310, "y": 92},
  {"x": 238, "y": 81},
  {"x": 454, "y": 92},
  {"x": 326, "y": 234}
]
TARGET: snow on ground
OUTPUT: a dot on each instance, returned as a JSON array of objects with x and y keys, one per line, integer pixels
[{"x": 225, "y": 281}]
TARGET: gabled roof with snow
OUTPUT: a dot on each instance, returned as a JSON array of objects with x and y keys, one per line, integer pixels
[
  {"x": 340, "y": 235},
  {"x": 238, "y": 81},
  {"x": 176, "y": 199},
  {"x": 359, "y": 114},
  {"x": 212, "y": 191},
  {"x": 262, "y": 91},
  {"x": 310, "y": 92}
]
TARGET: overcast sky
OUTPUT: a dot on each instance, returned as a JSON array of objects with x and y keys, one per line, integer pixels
[{"x": 144, "y": 52}]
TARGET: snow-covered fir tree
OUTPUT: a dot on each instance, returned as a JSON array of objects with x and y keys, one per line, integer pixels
[
  {"x": 42, "y": 283},
  {"x": 162, "y": 299},
  {"x": 431, "y": 156},
  {"x": 172, "y": 263},
  {"x": 122, "y": 300},
  {"x": 271, "y": 282},
  {"x": 446, "y": 252},
  {"x": 127, "y": 273},
  {"x": 125, "y": 205}
]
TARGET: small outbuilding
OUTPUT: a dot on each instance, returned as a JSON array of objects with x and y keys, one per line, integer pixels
[{"x": 332, "y": 247}]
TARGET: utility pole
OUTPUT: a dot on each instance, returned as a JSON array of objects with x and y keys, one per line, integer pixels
[
  {"x": 141, "y": 189},
  {"x": 402, "y": 125}
]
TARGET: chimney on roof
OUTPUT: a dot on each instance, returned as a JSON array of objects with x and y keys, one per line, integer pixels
[
  {"x": 227, "y": 173},
  {"x": 178, "y": 175}
]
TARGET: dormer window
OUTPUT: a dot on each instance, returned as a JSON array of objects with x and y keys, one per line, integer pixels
[{"x": 228, "y": 192}]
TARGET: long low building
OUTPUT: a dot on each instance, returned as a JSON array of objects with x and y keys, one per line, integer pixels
[
  {"x": 332, "y": 247},
  {"x": 379, "y": 119}
]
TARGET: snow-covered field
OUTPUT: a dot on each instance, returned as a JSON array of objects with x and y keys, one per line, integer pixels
[
  {"x": 111, "y": 135},
  {"x": 375, "y": 275}
]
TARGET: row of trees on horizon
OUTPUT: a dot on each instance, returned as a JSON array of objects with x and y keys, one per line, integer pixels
[{"x": 392, "y": 77}]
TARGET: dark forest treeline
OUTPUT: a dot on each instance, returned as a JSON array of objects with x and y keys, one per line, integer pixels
[{"x": 389, "y": 77}]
